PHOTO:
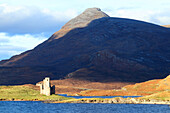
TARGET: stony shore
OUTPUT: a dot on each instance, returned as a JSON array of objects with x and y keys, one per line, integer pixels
[
  {"x": 117, "y": 100},
  {"x": 20, "y": 99}
]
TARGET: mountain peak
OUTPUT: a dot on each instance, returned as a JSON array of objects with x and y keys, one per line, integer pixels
[
  {"x": 84, "y": 18},
  {"x": 92, "y": 9}
]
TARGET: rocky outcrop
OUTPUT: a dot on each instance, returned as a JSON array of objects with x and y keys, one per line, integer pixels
[
  {"x": 85, "y": 18},
  {"x": 117, "y": 100}
]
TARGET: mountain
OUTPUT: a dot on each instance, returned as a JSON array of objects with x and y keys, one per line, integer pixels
[{"x": 95, "y": 47}]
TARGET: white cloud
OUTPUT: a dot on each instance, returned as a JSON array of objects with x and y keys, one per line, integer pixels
[
  {"x": 6, "y": 51},
  {"x": 24, "y": 27},
  {"x": 161, "y": 17},
  {"x": 32, "y": 20},
  {"x": 12, "y": 45},
  {"x": 60, "y": 15}
]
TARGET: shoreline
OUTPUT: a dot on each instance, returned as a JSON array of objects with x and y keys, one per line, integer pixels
[
  {"x": 117, "y": 100},
  {"x": 19, "y": 100}
]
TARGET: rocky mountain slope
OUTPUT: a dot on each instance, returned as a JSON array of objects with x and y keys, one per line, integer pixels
[{"x": 95, "y": 47}]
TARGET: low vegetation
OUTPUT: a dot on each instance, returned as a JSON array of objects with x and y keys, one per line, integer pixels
[
  {"x": 164, "y": 96},
  {"x": 25, "y": 93}
]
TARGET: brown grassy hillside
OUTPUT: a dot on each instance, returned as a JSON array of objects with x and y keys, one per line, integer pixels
[
  {"x": 75, "y": 86},
  {"x": 168, "y": 26},
  {"x": 144, "y": 88}
]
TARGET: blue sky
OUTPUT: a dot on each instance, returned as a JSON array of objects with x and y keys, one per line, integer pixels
[{"x": 26, "y": 23}]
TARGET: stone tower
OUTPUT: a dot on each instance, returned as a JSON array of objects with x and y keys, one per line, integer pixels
[{"x": 46, "y": 88}]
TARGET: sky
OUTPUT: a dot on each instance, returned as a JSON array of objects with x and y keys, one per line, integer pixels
[{"x": 27, "y": 23}]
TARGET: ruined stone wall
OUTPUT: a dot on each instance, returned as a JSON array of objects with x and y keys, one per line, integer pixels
[{"x": 45, "y": 87}]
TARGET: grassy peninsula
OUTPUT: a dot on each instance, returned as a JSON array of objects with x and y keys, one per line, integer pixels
[{"x": 25, "y": 93}]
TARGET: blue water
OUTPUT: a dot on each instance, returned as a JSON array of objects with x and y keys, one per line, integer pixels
[
  {"x": 96, "y": 96},
  {"x": 39, "y": 107}
]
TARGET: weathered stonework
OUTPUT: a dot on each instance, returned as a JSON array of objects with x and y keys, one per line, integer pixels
[{"x": 46, "y": 88}]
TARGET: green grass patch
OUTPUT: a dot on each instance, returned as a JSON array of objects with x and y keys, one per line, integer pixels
[{"x": 25, "y": 93}]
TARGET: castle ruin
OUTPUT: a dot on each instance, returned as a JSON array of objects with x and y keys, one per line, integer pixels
[{"x": 46, "y": 88}]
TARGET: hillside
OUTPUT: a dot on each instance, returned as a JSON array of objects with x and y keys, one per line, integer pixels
[
  {"x": 94, "y": 47},
  {"x": 150, "y": 89},
  {"x": 168, "y": 26}
]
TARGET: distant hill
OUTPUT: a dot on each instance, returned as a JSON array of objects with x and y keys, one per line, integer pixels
[
  {"x": 95, "y": 47},
  {"x": 168, "y": 26}
]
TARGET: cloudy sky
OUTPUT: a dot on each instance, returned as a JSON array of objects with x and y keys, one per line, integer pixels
[{"x": 26, "y": 23}]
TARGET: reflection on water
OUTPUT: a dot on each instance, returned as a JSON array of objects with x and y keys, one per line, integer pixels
[{"x": 39, "y": 107}]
